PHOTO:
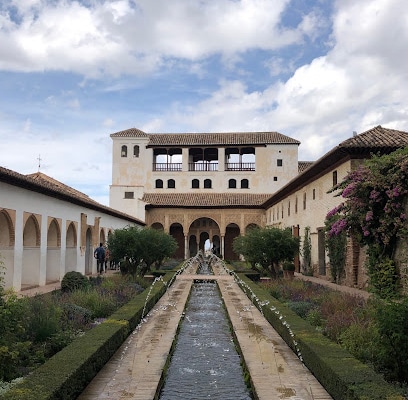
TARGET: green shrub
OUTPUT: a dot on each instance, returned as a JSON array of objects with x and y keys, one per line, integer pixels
[
  {"x": 43, "y": 318},
  {"x": 392, "y": 346},
  {"x": 74, "y": 280},
  {"x": 301, "y": 308}
]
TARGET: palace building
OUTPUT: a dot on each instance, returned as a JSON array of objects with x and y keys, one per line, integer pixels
[
  {"x": 200, "y": 186},
  {"x": 215, "y": 186}
]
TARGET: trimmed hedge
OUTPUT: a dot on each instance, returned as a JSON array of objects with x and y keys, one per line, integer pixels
[
  {"x": 342, "y": 375},
  {"x": 65, "y": 375}
]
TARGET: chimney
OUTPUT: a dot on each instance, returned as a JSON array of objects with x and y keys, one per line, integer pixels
[{"x": 354, "y": 133}]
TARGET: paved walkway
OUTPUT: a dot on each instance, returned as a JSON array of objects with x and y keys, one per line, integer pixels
[{"x": 135, "y": 370}]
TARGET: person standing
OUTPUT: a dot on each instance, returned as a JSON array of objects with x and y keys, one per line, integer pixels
[{"x": 99, "y": 254}]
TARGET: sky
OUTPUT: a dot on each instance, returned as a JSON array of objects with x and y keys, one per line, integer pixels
[{"x": 74, "y": 72}]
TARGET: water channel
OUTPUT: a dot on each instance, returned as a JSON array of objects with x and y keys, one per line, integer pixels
[{"x": 205, "y": 363}]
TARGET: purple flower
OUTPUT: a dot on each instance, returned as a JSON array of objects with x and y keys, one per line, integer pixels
[
  {"x": 369, "y": 216},
  {"x": 349, "y": 189}
]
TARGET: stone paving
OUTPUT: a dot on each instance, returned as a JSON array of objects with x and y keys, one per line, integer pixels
[{"x": 134, "y": 372}]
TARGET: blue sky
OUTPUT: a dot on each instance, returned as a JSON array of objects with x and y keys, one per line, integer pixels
[{"x": 73, "y": 72}]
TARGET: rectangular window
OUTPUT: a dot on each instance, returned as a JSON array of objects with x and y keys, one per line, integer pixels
[
  {"x": 275, "y": 178},
  {"x": 334, "y": 178},
  {"x": 279, "y": 162},
  {"x": 129, "y": 195},
  {"x": 314, "y": 194}
]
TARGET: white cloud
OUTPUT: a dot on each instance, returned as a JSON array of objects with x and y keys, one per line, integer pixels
[
  {"x": 115, "y": 37},
  {"x": 360, "y": 83}
]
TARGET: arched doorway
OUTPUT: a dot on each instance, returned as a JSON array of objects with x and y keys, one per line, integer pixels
[
  {"x": 53, "y": 252},
  {"x": 200, "y": 231},
  {"x": 31, "y": 253},
  {"x": 176, "y": 230},
  {"x": 231, "y": 232},
  {"x": 70, "y": 251}
]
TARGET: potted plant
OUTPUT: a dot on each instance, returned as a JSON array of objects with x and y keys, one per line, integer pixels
[{"x": 288, "y": 269}]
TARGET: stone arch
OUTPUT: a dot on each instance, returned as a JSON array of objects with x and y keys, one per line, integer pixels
[
  {"x": 204, "y": 236},
  {"x": 158, "y": 226},
  {"x": 71, "y": 242},
  {"x": 30, "y": 275},
  {"x": 231, "y": 232},
  {"x": 201, "y": 229},
  {"x": 53, "y": 251},
  {"x": 31, "y": 232},
  {"x": 216, "y": 245},
  {"x": 102, "y": 237},
  {"x": 192, "y": 246},
  {"x": 7, "y": 232},
  {"x": 7, "y": 241},
  {"x": 176, "y": 230},
  {"x": 251, "y": 226}
]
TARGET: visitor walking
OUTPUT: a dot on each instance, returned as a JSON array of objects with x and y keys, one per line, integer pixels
[{"x": 99, "y": 254}]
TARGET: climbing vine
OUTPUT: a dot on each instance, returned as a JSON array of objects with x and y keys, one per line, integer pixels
[
  {"x": 374, "y": 212},
  {"x": 336, "y": 242},
  {"x": 307, "y": 251}
]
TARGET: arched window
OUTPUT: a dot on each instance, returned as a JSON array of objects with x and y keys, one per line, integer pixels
[
  {"x": 207, "y": 183},
  {"x": 195, "y": 184},
  {"x": 136, "y": 151},
  {"x": 244, "y": 184},
  {"x": 123, "y": 152},
  {"x": 232, "y": 184},
  {"x": 159, "y": 184},
  {"x": 171, "y": 184}
]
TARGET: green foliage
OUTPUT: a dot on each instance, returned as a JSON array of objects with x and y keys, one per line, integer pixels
[
  {"x": 342, "y": 375},
  {"x": 140, "y": 249},
  {"x": 43, "y": 318},
  {"x": 288, "y": 266},
  {"x": 384, "y": 278},
  {"x": 32, "y": 329},
  {"x": 307, "y": 252},
  {"x": 392, "y": 348},
  {"x": 336, "y": 248},
  {"x": 374, "y": 210},
  {"x": 73, "y": 280},
  {"x": 267, "y": 247}
]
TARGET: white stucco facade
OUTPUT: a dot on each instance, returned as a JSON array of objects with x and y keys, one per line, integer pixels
[{"x": 43, "y": 237}]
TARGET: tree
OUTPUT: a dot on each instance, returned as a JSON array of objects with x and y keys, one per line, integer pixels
[
  {"x": 138, "y": 249},
  {"x": 267, "y": 248}
]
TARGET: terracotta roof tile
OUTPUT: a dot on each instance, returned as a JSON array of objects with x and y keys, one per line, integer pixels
[
  {"x": 54, "y": 184},
  {"x": 41, "y": 183},
  {"x": 209, "y": 139},
  {"x": 377, "y": 137},
  {"x": 132, "y": 132},
  {"x": 205, "y": 199},
  {"x": 303, "y": 165}
]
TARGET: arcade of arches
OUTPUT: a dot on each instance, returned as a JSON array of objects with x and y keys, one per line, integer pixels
[{"x": 205, "y": 229}]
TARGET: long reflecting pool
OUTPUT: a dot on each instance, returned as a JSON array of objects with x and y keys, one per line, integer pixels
[{"x": 205, "y": 363}]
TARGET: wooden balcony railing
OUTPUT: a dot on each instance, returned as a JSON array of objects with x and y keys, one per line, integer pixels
[
  {"x": 172, "y": 167},
  {"x": 250, "y": 166},
  {"x": 204, "y": 166}
]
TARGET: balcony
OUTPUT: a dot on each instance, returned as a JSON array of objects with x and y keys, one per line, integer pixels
[
  {"x": 168, "y": 167},
  {"x": 203, "y": 166},
  {"x": 243, "y": 166}
]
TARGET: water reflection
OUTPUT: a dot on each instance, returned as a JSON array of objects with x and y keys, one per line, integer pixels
[{"x": 205, "y": 363}]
